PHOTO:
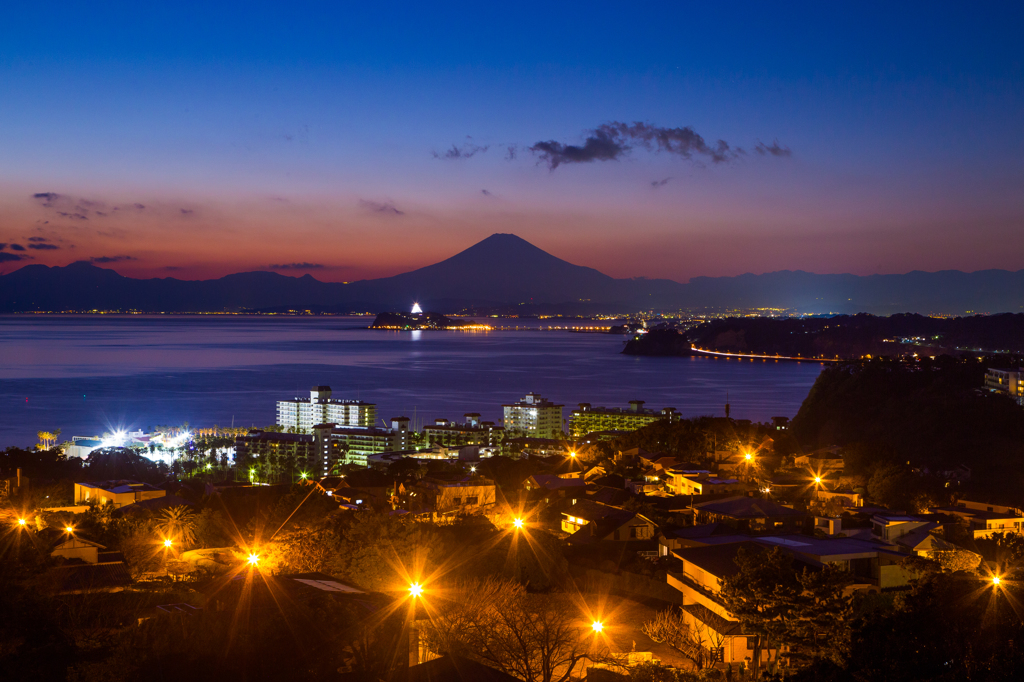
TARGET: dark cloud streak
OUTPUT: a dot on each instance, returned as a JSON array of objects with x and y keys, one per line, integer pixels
[
  {"x": 610, "y": 141},
  {"x": 43, "y": 247},
  {"x": 111, "y": 259},
  {"x": 385, "y": 207}
]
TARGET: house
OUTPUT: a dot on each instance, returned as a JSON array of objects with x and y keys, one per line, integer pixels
[
  {"x": 555, "y": 484},
  {"x": 982, "y": 519},
  {"x": 456, "y": 493},
  {"x": 590, "y": 522},
  {"x": 702, "y": 482},
  {"x": 748, "y": 514},
  {"x": 872, "y": 565},
  {"x": 67, "y": 545},
  {"x": 119, "y": 493}
]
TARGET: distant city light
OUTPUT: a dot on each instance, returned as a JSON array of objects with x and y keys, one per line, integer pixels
[
  {"x": 304, "y": 475},
  {"x": 749, "y": 456},
  {"x": 597, "y": 626},
  {"x": 572, "y": 454},
  {"x": 817, "y": 479},
  {"x": 472, "y": 469},
  {"x": 415, "y": 590},
  {"x": 518, "y": 523},
  {"x": 22, "y": 522},
  {"x": 69, "y": 529},
  {"x": 416, "y": 309}
]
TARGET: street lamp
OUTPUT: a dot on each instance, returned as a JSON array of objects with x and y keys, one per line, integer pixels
[
  {"x": 415, "y": 590},
  {"x": 749, "y": 457},
  {"x": 254, "y": 559},
  {"x": 817, "y": 480},
  {"x": 572, "y": 453},
  {"x": 996, "y": 580},
  {"x": 69, "y": 529},
  {"x": 597, "y": 626},
  {"x": 518, "y": 523},
  {"x": 168, "y": 543},
  {"x": 22, "y": 522}
]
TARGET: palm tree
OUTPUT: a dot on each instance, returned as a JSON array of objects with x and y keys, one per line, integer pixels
[{"x": 178, "y": 524}]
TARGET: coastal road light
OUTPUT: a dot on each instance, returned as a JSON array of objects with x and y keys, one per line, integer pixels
[
  {"x": 69, "y": 529},
  {"x": 518, "y": 522},
  {"x": 817, "y": 480},
  {"x": 572, "y": 453},
  {"x": 597, "y": 626},
  {"x": 22, "y": 522},
  {"x": 415, "y": 590},
  {"x": 168, "y": 543},
  {"x": 749, "y": 457},
  {"x": 254, "y": 559},
  {"x": 996, "y": 581}
]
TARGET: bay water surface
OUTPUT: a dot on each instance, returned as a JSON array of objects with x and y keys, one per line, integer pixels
[{"x": 88, "y": 374}]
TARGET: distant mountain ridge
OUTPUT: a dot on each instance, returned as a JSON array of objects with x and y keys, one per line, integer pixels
[{"x": 503, "y": 271}]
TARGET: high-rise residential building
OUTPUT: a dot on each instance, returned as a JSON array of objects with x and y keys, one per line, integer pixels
[
  {"x": 337, "y": 445},
  {"x": 472, "y": 432},
  {"x": 1007, "y": 382},
  {"x": 534, "y": 417},
  {"x": 588, "y": 419},
  {"x": 300, "y": 415}
]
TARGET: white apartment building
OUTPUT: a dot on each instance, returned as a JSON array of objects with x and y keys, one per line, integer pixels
[
  {"x": 534, "y": 416},
  {"x": 302, "y": 414}
]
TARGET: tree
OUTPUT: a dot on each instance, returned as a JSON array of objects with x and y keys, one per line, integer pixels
[
  {"x": 537, "y": 638},
  {"x": 178, "y": 524},
  {"x": 762, "y": 595},
  {"x": 697, "y": 643},
  {"x": 820, "y": 624}
]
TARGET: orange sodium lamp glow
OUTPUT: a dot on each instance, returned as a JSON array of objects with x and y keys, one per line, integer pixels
[
  {"x": 254, "y": 558},
  {"x": 749, "y": 456},
  {"x": 817, "y": 479},
  {"x": 996, "y": 580},
  {"x": 69, "y": 529},
  {"x": 22, "y": 522},
  {"x": 167, "y": 543},
  {"x": 518, "y": 523},
  {"x": 415, "y": 590},
  {"x": 597, "y": 626}
]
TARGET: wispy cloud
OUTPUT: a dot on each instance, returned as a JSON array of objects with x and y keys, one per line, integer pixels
[
  {"x": 111, "y": 259},
  {"x": 38, "y": 246},
  {"x": 610, "y": 141},
  {"x": 297, "y": 266},
  {"x": 486, "y": 193},
  {"x": 468, "y": 150},
  {"x": 385, "y": 207},
  {"x": 17, "y": 247},
  {"x": 10, "y": 257},
  {"x": 774, "y": 149},
  {"x": 37, "y": 239},
  {"x": 660, "y": 183}
]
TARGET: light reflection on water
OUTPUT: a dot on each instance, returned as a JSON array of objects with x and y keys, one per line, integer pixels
[{"x": 79, "y": 373}]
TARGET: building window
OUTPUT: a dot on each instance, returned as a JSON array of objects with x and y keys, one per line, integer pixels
[
  {"x": 457, "y": 500},
  {"x": 472, "y": 500}
]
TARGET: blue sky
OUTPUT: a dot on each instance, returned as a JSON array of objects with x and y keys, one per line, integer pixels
[{"x": 309, "y": 133}]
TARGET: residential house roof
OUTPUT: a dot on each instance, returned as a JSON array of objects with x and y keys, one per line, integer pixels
[
  {"x": 744, "y": 507},
  {"x": 553, "y": 482},
  {"x": 118, "y": 486}
]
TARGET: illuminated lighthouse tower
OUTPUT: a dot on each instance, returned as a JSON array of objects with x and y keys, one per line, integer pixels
[{"x": 416, "y": 309}]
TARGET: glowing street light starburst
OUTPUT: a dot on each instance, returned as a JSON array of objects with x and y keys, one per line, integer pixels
[
  {"x": 518, "y": 523},
  {"x": 996, "y": 581},
  {"x": 22, "y": 522},
  {"x": 168, "y": 543},
  {"x": 415, "y": 590},
  {"x": 254, "y": 559},
  {"x": 597, "y": 626}
]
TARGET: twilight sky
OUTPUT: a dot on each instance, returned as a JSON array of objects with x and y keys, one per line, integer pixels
[{"x": 644, "y": 139}]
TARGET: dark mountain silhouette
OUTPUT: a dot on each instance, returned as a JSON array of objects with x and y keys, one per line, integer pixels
[{"x": 504, "y": 271}]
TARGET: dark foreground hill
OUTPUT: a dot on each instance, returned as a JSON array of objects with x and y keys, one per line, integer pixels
[
  {"x": 856, "y": 336},
  {"x": 504, "y": 272}
]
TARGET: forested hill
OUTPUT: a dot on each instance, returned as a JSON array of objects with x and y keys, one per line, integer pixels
[
  {"x": 928, "y": 413},
  {"x": 855, "y": 336}
]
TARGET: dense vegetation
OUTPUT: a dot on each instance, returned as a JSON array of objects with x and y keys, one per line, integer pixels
[
  {"x": 921, "y": 414},
  {"x": 854, "y": 336}
]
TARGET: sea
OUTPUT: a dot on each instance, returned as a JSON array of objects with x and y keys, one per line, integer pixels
[{"x": 88, "y": 374}]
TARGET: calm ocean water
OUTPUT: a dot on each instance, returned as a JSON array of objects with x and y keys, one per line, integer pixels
[{"x": 85, "y": 374}]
